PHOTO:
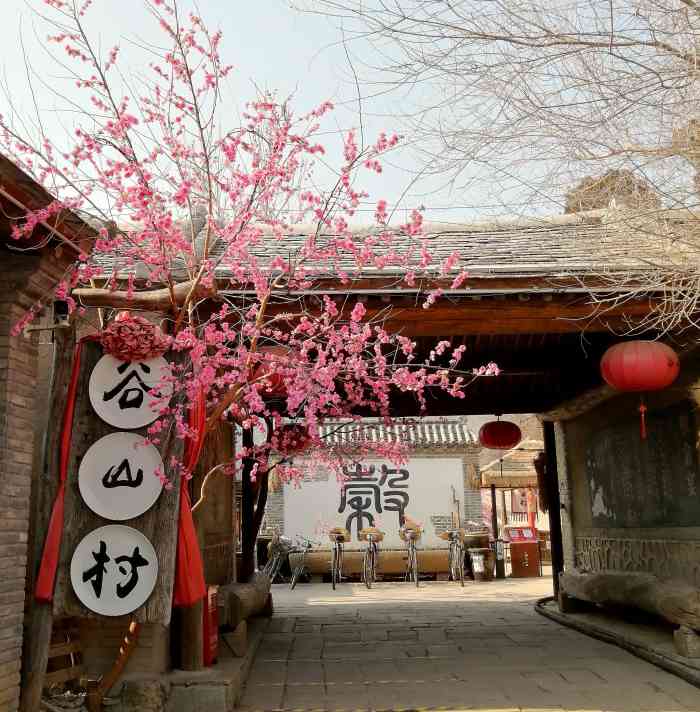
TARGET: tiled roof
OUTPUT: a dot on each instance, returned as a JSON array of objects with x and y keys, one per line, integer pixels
[
  {"x": 515, "y": 462},
  {"x": 557, "y": 250},
  {"x": 559, "y": 246},
  {"x": 450, "y": 433}
]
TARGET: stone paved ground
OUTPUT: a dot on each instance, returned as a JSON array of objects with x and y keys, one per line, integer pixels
[{"x": 479, "y": 648}]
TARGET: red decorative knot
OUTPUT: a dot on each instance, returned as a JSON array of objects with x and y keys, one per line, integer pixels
[
  {"x": 133, "y": 338},
  {"x": 500, "y": 435},
  {"x": 643, "y": 421}
]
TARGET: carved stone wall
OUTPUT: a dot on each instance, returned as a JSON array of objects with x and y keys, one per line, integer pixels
[{"x": 666, "y": 558}]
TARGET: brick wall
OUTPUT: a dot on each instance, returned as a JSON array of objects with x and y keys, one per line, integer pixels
[
  {"x": 274, "y": 512},
  {"x": 473, "y": 511},
  {"x": 23, "y": 279}
]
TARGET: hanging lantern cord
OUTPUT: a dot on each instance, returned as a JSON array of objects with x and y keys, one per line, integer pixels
[{"x": 642, "y": 418}]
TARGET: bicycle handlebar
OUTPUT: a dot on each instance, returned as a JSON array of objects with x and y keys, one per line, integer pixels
[{"x": 306, "y": 543}]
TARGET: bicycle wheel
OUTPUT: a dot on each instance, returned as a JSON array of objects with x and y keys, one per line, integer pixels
[
  {"x": 272, "y": 567},
  {"x": 452, "y": 562},
  {"x": 460, "y": 563},
  {"x": 415, "y": 564},
  {"x": 267, "y": 569},
  {"x": 334, "y": 566},
  {"x": 367, "y": 567},
  {"x": 295, "y": 576}
]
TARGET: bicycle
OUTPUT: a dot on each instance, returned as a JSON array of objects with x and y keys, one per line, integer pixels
[
  {"x": 455, "y": 557},
  {"x": 338, "y": 537},
  {"x": 411, "y": 535},
  {"x": 303, "y": 547},
  {"x": 278, "y": 549},
  {"x": 371, "y": 556}
]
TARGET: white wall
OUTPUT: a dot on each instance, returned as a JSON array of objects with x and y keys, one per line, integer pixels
[{"x": 311, "y": 509}]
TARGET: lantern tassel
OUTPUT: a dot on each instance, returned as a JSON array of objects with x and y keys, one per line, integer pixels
[{"x": 643, "y": 420}]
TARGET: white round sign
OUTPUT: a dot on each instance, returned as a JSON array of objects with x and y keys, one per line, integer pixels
[
  {"x": 114, "y": 570},
  {"x": 117, "y": 476},
  {"x": 123, "y": 393}
]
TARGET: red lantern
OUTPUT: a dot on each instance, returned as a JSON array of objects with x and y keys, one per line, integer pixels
[
  {"x": 500, "y": 435},
  {"x": 637, "y": 366},
  {"x": 640, "y": 366}
]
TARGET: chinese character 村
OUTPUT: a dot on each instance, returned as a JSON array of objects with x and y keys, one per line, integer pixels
[{"x": 134, "y": 562}]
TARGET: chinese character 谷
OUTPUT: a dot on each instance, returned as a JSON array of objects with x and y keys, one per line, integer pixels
[
  {"x": 113, "y": 477},
  {"x": 96, "y": 573},
  {"x": 130, "y": 397}
]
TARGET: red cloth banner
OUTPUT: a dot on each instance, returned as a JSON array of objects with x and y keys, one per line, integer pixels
[
  {"x": 52, "y": 546},
  {"x": 189, "y": 570}
]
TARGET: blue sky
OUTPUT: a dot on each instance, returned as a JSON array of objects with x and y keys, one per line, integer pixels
[{"x": 271, "y": 46}]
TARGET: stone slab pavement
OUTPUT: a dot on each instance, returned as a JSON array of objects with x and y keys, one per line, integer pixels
[{"x": 441, "y": 646}]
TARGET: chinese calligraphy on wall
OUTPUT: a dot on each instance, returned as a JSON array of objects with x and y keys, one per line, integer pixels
[{"x": 368, "y": 492}]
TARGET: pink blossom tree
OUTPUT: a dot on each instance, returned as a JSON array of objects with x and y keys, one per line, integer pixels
[{"x": 196, "y": 227}]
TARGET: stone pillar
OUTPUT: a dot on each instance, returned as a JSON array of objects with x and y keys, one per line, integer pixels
[{"x": 567, "y": 532}]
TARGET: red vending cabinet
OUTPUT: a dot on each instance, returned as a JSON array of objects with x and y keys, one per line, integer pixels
[{"x": 524, "y": 552}]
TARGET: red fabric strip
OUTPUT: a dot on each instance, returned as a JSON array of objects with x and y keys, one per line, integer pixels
[
  {"x": 189, "y": 570},
  {"x": 46, "y": 579}
]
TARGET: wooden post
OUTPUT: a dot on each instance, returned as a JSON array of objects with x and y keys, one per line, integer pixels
[
  {"x": 159, "y": 524},
  {"x": 554, "y": 509},
  {"x": 38, "y": 637},
  {"x": 191, "y": 620},
  {"x": 500, "y": 562},
  {"x": 192, "y": 651}
]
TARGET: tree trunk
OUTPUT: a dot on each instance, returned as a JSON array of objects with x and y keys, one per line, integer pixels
[
  {"x": 262, "y": 502},
  {"x": 675, "y": 601},
  {"x": 253, "y": 502},
  {"x": 248, "y": 534},
  {"x": 241, "y": 601}
]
